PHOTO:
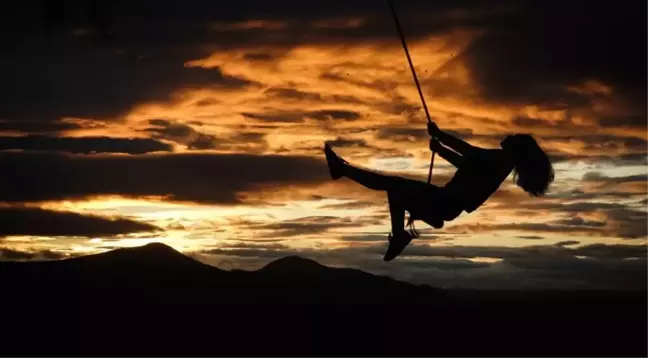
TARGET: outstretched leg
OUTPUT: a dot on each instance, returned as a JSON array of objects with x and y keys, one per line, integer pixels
[
  {"x": 402, "y": 194},
  {"x": 340, "y": 168}
]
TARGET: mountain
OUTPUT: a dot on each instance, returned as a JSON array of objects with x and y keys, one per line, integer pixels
[{"x": 153, "y": 300}]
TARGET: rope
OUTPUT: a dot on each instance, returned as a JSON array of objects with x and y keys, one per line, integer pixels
[{"x": 418, "y": 86}]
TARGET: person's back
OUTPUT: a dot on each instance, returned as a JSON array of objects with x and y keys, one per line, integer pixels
[{"x": 482, "y": 173}]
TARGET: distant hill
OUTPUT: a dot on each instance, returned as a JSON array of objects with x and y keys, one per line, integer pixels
[{"x": 153, "y": 300}]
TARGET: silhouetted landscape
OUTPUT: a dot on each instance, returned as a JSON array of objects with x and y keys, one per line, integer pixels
[{"x": 153, "y": 300}]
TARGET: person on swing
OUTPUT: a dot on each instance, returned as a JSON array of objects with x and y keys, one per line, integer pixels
[{"x": 480, "y": 172}]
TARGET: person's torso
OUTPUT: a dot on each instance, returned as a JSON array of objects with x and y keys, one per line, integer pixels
[{"x": 480, "y": 177}]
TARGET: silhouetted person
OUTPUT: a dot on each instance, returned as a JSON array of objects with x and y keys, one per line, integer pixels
[{"x": 480, "y": 172}]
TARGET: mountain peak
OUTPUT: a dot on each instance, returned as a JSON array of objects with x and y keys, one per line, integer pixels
[
  {"x": 294, "y": 262},
  {"x": 158, "y": 247},
  {"x": 154, "y": 250},
  {"x": 156, "y": 255}
]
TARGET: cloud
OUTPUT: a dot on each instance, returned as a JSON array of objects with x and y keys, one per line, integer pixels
[
  {"x": 181, "y": 133},
  {"x": 531, "y": 237},
  {"x": 36, "y": 126},
  {"x": 204, "y": 178},
  {"x": 144, "y": 61},
  {"x": 515, "y": 62},
  {"x": 9, "y": 254},
  {"x": 303, "y": 226},
  {"x": 27, "y": 221},
  {"x": 534, "y": 267},
  {"x": 88, "y": 85},
  {"x": 301, "y": 116},
  {"x": 84, "y": 145},
  {"x": 634, "y": 121},
  {"x": 194, "y": 139}
]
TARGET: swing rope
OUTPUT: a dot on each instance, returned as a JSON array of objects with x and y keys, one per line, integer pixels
[
  {"x": 416, "y": 81},
  {"x": 410, "y": 221}
]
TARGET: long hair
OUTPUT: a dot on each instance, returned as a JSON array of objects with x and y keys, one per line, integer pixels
[{"x": 533, "y": 171}]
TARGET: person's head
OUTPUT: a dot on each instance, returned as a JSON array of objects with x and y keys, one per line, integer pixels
[{"x": 533, "y": 171}]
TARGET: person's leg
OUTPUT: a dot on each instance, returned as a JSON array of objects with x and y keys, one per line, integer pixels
[
  {"x": 368, "y": 179},
  {"x": 399, "y": 238},
  {"x": 396, "y": 213}
]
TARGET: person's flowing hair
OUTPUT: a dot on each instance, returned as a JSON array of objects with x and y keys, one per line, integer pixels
[{"x": 533, "y": 171}]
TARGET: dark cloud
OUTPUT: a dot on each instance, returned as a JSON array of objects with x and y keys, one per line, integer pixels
[
  {"x": 261, "y": 57},
  {"x": 97, "y": 84},
  {"x": 48, "y": 76},
  {"x": 631, "y": 150},
  {"x": 21, "y": 255},
  {"x": 579, "y": 221},
  {"x": 305, "y": 226},
  {"x": 535, "y": 267},
  {"x": 531, "y": 237},
  {"x": 185, "y": 134},
  {"x": 516, "y": 60},
  {"x": 621, "y": 220},
  {"x": 145, "y": 58},
  {"x": 328, "y": 115},
  {"x": 403, "y": 134},
  {"x": 302, "y": 226},
  {"x": 630, "y": 159},
  {"x": 637, "y": 121},
  {"x": 557, "y": 226},
  {"x": 301, "y": 116},
  {"x": 207, "y": 178},
  {"x": 343, "y": 142},
  {"x": 84, "y": 145},
  {"x": 629, "y": 223},
  {"x": 40, "y": 222},
  {"x": 292, "y": 93},
  {"x": 612, "y": 142},
  {"x": 530, "y": 122},
  {"x": 34, "y": 126},
  {"x": 11, "y": 254},
  {"x": 350, "y": 205},
  {"x": 181, "y": 133}
]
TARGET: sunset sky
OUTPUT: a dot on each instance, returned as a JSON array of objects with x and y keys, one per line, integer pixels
[{"x": 200, "y": 124}]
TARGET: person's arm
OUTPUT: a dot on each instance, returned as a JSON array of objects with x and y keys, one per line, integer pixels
[
  {"x": 451, "y": 157},
  {"x": 451, "y": 141}
]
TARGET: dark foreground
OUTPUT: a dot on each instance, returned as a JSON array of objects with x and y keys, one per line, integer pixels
[{"x": 153, "y": 300}]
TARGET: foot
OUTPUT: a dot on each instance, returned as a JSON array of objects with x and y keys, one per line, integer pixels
[
  {"x": 335, "y": 163},
  {"x": 397, "y": 243}
]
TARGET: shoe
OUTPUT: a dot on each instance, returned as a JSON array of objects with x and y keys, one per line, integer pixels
[
  {"x": 397, "y": 244},
  {"x": 335, "y": 163}
]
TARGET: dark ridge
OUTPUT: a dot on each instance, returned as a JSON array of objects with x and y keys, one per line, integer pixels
[
  {"x": 154, "y": 301},
  {"x": 293, "y": 262}
]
